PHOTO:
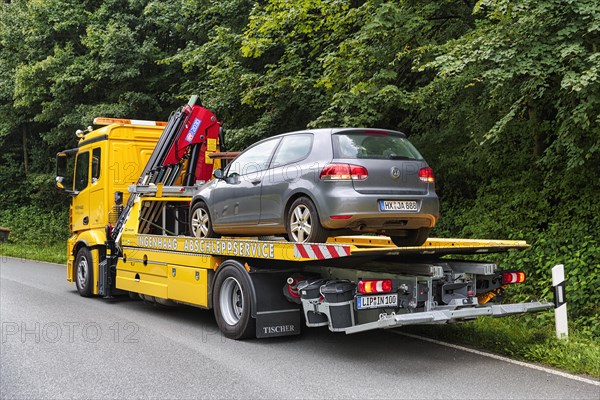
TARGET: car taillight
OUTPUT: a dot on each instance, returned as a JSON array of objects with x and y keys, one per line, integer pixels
[
  {"x": 344, "y": 172},
  {"x": 340, "y": 216},
  {"x": 513, "y": 277},
  {"x": 375, "y": 286},
  {"x": 426, "y": 175}
]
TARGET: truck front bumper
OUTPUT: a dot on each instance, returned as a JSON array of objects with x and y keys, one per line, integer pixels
[{"x": 448, "y": 316}]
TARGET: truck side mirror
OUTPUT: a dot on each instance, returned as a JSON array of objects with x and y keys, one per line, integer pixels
[
  {"x": 59, "y": 180},
  {"x": 64, "y": 171}
]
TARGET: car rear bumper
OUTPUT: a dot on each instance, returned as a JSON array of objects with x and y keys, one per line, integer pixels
[
  {"x": 344, "y": 208},
  {"x": 377, "y": 223}
]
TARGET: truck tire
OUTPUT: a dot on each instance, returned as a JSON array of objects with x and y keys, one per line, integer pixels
[
  {"x": 232, "y": 303},
  {"x": 413, "y": 238},
  {"x": 200, "y": 221},
  {"x": 84, "y": 272},
  {"x": 303, "y": 224}
]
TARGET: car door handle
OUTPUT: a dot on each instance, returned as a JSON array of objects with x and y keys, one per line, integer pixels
[{"x": 257, "y": 181}]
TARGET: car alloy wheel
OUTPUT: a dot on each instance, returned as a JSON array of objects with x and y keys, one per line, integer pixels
[
  {"x": 200, "y": 223},
  {"x": 301, "y": 224}
]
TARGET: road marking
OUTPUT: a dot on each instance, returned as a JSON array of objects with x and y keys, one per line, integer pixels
[{"x": 501, "y": 358}]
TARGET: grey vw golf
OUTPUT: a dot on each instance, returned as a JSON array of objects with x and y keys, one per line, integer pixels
[{"x": 310, "y": 185}]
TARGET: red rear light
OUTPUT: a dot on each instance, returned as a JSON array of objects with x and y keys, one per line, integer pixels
[
  {"x": 344, "y": 172},
  {"x": 375, "y": 286},
  {"x": 513, "y": 277},
  {"x": 426, "y": 175},
  {"x": 340, "y": 216}
]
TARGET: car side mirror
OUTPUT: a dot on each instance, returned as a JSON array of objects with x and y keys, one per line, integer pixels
[{"x": 219, "y": 174}]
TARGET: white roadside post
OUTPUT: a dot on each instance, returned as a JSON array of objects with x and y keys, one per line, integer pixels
[{"x": 560, "y": 302}]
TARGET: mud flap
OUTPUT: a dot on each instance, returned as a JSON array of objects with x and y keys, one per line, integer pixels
[{"x": 275, "y": 315}]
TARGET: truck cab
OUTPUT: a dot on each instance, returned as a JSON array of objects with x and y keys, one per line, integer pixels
[{"x": 97, "y": 174}]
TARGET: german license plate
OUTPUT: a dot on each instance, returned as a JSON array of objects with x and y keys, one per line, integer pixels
[
  {"x": 379, "y": 301},
  {"x": 395, "y": 205}
]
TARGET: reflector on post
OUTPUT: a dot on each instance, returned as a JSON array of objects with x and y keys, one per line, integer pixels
[{"x": 560, "y": 302}]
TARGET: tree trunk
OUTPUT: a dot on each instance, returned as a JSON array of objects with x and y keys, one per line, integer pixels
[
  {"x": 25, "y": 151},
  {"x": 539, "y": 138}
]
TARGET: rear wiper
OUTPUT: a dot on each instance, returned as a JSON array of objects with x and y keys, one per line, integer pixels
[{"x": 397, "y": 157}]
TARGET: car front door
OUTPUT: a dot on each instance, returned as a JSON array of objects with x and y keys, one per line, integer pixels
[{"x": 236, "y": 199}]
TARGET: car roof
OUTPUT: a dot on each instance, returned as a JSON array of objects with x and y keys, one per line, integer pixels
[
  {"x": 328, "y": 131},
  {"x": 333, "y": 131}
]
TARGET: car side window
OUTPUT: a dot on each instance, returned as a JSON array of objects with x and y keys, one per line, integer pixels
[
  {"x": 254, "y": 159},
  {"x": 293, "y": 148}
]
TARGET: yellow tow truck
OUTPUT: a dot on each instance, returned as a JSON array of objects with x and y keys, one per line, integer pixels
[{"x": 131, "y": 183}]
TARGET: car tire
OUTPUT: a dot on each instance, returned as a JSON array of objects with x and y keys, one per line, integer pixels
[
  {"x": 200, "y": 221},
  {"x": 84, "y": 272},
  {"x": 232, "y": 303},
  {"x": 303, "y": 224},
  {"x": 413, "y": 238}
]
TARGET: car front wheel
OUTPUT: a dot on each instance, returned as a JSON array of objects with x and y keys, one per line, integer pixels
[
  {"x": 302, "y": 223},
  {"x": 200, "y": 222}
]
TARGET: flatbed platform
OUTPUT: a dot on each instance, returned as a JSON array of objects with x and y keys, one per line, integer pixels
[
  {"x": 338, "y": 247},
  {"x": 374, "y": 245}
]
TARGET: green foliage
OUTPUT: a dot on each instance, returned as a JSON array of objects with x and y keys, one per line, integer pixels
[
  {"x": 36, "y": 226},
  {"x": 579, "y": 251},
  {"x": 501, "y": 97}
]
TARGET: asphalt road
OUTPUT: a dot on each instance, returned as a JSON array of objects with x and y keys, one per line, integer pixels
[{"x": 55, "y": 344}]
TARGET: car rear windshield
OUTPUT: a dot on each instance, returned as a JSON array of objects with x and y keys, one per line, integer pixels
[{"x": 377, "y": 145}]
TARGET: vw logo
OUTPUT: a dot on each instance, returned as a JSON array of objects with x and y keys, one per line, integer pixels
[{"x": 395, "y": 172}]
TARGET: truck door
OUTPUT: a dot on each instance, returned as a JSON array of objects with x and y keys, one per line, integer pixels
[
  {"x": 81, "y": 195},
  {"x": 98, "y": 211}
]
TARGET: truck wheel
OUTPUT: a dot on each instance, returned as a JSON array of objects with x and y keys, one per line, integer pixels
[
  {"x": 413, "y": 238},
  {"x": 200, "y": 222},
  {"x": 302, "y": 223},
  {"x": 232, "y": 303},
  {"x": 84, "y": 272}
]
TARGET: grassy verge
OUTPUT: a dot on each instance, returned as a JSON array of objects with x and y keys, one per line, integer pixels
[
  {"x": 523, "y": 338},
  {"x": 56, "y": 253}
]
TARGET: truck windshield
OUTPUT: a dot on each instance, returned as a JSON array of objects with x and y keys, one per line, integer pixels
[{"x": 380, "y": 145}]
